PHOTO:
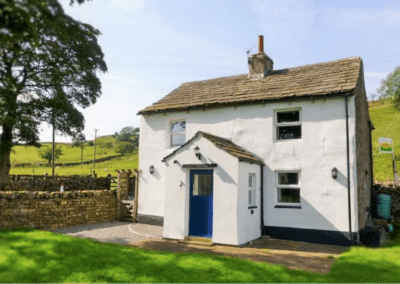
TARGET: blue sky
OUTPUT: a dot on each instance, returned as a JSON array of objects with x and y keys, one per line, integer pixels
[{"x": 153, "y": 46}]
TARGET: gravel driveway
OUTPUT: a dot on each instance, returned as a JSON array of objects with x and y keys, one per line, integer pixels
[{"x": 114, "y": 232}]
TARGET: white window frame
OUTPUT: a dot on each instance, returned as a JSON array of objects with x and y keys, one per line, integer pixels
[
  {"x": 278, "y": 186},
  {"x": 252, "y": 190},
  {"x": 295, "y": 123},
  {"x": 170, "y": 133}
]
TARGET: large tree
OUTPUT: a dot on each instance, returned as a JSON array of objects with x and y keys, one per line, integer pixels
[
  {"x": 128, "y": 134},
  {"x": 390, "y": 87},
  {"x": 48, "y": 66}
]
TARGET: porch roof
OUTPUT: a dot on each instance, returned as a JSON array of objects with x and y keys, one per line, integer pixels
[{"x": 225, "y": 145}]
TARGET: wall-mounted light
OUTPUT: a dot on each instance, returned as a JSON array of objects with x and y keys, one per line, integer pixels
[
  {"x": 197, "y": 152},
  {"x": 334, "y": 173},
  {"x": 151, "y": 169}
]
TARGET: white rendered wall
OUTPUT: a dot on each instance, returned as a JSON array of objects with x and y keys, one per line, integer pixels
[
  {"x": 248, "y": 224},
  {"x": 322, "y": 147},
  {"x": 225, "y": 184}
]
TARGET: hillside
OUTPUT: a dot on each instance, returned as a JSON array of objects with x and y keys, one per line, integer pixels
[
  {"x": 29, "y": 154},
  {"x": 386, "y": 120}
]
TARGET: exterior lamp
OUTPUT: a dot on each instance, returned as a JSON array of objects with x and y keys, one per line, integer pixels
[
  {"x": 334, "y": 173},
  {"x": 151, "y": 169},
  {"x": 197, "y": 152}
]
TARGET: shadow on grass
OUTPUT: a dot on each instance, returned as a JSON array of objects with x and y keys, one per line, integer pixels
[{"x": 41, "y": 256}]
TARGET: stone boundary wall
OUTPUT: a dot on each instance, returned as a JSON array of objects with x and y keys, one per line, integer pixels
[
  {"x": 44, "y": 210},
  {"x": 18, "y": 165},
  {"x": 395, "y": 193},
  {"x": 52, "y": 184}
]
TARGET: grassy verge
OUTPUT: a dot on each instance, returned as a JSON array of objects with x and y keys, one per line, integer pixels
[{"x": 28, "y": 255}]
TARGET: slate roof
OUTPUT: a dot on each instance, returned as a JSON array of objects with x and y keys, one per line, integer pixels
[
  {"x": 328, "y": 78},
  {"x": 225, "y": 145}
]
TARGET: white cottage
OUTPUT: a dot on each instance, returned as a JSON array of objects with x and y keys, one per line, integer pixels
[{"x": 285, "y": 153}]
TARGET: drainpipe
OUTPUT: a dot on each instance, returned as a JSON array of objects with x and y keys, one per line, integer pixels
[
  {"x": 262, "y": 199},
  {"x": 372, "y": 172},
  {"x": 348, "y": 163}
]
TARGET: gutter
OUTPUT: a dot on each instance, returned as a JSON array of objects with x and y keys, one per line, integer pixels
[
  {"x": 262, "y": 200},
  {"x": 348, "y": 163}
]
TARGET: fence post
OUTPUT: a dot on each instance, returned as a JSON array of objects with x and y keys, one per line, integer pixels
[{"x": 135, "y": 201}]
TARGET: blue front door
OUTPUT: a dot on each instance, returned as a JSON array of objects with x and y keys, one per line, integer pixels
[{"x": 201, "y": 203}]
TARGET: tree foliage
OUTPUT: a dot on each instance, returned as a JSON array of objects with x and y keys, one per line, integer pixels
[
  {"x": 48, "y": 66},
  {"x": 390, "y": 87},
  {"x": 78, "y": 140},
  {"x": 128, "y": 134},
  {"x": 125, "y": 147},
  {"x": 46, "y": 152}
]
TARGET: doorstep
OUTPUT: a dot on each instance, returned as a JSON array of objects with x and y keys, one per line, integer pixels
[{"x": 197, "y": 241}]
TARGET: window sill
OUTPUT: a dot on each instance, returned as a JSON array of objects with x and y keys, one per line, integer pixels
[
  {"x": 286, "y": 206},
  {"x": 287, "y": 140},
  {"x": 252, "y": 207}
]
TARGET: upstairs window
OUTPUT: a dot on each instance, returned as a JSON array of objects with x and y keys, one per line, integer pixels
[
  {"x": 178, "y": 133},
  {"x": 288, "y": 124}
]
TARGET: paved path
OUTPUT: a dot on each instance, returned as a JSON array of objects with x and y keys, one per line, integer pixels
[{"x": 115, "y": 232}]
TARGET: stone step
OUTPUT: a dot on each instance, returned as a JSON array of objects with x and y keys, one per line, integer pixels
[{"x": 198, "y": 241}]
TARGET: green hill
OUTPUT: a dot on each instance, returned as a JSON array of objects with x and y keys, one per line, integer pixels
[
  {"x": 386, "y": 120},
  {"x": 29, "y": 154}
]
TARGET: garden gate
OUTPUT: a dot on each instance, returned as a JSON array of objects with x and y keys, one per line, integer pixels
[{"x": 127, "y": 209}]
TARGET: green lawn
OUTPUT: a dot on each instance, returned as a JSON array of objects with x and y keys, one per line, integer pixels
[
  {"x": 386, "y": 120},
  {"x": 28, "y": 255}
]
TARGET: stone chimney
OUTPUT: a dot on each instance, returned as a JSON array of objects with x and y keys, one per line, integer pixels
[{"x": 259, "y": 63}]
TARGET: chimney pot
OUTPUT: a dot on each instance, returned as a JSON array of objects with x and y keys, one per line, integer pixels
[{"x": 260, "y": 44}]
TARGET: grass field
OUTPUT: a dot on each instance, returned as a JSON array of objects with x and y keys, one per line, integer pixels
[
  {"x": 29, "y": 255},
  {"x": 30, "y": 155},
  {"x": 22, "y": 154},
  {"x": 386, "y": 120},
  {"x": 127, "y": 162}
]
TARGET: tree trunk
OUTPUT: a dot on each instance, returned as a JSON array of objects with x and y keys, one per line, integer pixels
[
  {"x": 4, "y": 169},
  {"x": 5, "y": 149}
]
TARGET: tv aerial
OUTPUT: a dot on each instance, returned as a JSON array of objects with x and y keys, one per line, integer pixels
[{"x": 248, "y": 54}]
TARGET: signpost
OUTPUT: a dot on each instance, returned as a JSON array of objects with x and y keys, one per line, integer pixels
[{"x": 386, "y": 147}]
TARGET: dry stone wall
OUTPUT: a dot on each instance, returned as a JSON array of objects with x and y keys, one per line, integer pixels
[
  {"x": 53, "y": 184},
  {"x": 45, "y": 210}
]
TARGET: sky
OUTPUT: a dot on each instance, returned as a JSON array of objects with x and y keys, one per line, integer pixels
[{"x": 153, "y": 46}]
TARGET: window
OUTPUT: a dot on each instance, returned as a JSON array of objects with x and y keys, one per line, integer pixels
[
  {"x": 202, "y": 185},
  {"x": 178, "y": 132},
  {"x": 252, "y": 189},
  {"x": 288, "y": 124},
  {"x": 288, "y": 186}
]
